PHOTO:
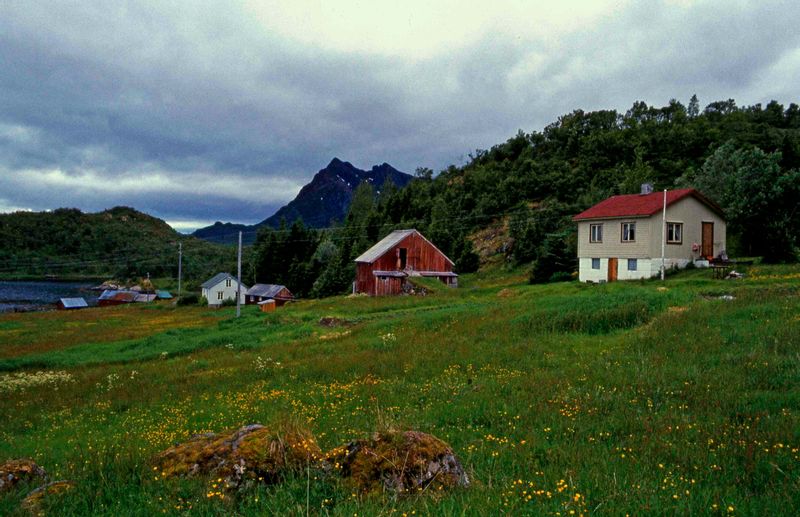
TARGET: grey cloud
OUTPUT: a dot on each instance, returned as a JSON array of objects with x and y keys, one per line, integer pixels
[{"x": 150, "y": 87}]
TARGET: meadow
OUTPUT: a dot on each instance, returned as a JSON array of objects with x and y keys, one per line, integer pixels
[{"x": 680, "y": 397}]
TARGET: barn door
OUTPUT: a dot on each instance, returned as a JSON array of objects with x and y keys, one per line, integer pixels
[
  {"x": 707, "y": 247},
  {"x": 612, "y": 269}
]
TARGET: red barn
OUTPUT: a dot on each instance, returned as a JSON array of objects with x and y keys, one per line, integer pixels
[{"x": 385, "y": 267}]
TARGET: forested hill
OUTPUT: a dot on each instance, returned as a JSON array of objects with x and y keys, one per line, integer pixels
[
  {"x": 325, "y": 199},
  {"x": 120, "y": 242},
  {"x": 745, "y": 158}
]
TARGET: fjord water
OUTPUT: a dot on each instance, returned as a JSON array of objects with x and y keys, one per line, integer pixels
[{"x": 43, "y": 295}]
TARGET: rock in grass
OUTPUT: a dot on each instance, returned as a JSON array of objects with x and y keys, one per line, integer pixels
[
  {"x": 250, "y": 453},
  {"x": 33, "y": 501},
  {"x": 12, "y": 472},
  {"x": 400, "y": 462}
]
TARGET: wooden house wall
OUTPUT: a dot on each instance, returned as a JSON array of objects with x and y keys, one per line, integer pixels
[{"x": 420, "y": 256}]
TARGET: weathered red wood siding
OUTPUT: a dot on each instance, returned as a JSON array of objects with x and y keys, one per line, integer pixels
[{"x": 420, "y": 256}]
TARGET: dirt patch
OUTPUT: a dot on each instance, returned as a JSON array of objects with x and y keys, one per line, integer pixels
[
  {"x": 330, "y": 322},
  {"x": 505, "y": 293},
  {"x": 399, "y": 462}
]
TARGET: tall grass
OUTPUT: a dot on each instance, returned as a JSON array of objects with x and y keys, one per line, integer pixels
[{"x": 631, "y": 398}]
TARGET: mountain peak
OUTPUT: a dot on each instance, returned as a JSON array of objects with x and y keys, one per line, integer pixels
[{"x": 326, "y": 198}]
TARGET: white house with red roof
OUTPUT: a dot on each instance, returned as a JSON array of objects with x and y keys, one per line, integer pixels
[{"x": 621, "y": 237}]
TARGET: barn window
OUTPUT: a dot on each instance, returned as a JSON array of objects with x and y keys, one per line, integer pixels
[
  {"x": 628, "y": 232},
  {"x": 403, "y": 255},
  {"x": 674, "y": 233},
  {"x": 595, "y": 233},
  {"x": 632, "y": 264},
  {"x": 595, "y": 263}
]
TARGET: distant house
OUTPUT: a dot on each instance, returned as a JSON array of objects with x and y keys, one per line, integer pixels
[
  {"x": 66, "y": 304},
  {"x": 263, "y": 292},
  {"x": 620, "y": 238},
  {"x": 384, "y": 268},
  {"x": 221, "y": 287},
  {"x": 111, "y": 297}
]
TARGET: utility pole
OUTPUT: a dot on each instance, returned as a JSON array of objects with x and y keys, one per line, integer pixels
[
  {"x": 239, "y": 279},
  {"x": 180, "y": 267},
  {"x": 663, "y": 235}
]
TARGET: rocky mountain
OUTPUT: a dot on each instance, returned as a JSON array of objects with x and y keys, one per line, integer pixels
[{"x": 323, "y": 200}]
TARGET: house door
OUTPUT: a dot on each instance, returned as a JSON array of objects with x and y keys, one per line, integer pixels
[
  {"x": 612, "y": 270},
  {"x": 707, "y": 246}
]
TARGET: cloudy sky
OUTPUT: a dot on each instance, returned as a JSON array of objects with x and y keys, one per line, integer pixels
[{"x": 223, "y": 110}]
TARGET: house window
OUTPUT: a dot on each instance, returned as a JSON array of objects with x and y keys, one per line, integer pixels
[
  {"x": 632, "y": 264},
  {"x": 219, "y": 295},
  {"x": 628, "y": 232},
  {"x": 595, "y": 233},
  {"x": 674, "y": 233},
  {"x": 595, "y": 263},
  {"x": 228, "y": 282}
]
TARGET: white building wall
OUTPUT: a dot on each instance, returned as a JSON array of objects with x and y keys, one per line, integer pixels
[
  {"x": 228, "y": 293},
  {"x": 647, "y": 248}
]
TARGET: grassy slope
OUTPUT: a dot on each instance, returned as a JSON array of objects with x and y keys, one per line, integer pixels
[{"x": 558, "y": 398}]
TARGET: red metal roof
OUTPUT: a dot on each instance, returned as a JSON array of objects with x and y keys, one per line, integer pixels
[{"x": 641, "y": 205}]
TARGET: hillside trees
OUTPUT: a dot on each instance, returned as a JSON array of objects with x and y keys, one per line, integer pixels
[{"x": 760, "y": 199}]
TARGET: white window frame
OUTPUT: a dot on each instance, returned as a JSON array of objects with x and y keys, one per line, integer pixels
[
  {"x": 671, "y": 235},
  {"x": 598, "y": 235},
  {"x": 626, "y": 230},
  {"x": 219, "y": 295}
]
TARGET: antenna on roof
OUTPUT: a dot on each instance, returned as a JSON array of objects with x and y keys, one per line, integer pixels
[{"x": 647, "y": 188}]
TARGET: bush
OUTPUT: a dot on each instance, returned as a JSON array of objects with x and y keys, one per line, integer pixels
[
  {"x": 203, "y": 301},
  {"x": 188, "y": 299},
  {"x": 229, "y": 302}
]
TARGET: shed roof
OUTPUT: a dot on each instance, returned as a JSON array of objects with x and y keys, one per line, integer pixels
[
  {"x": 390, "y": 241},
  {"x": 267, "y": 291},
  {"x": 397, "y": 274},
  {"x": 73, "y": 303},
  {"x": 641, "y": 205},
  {"x": 118, "y": 295},
  {"x": 163, "y": 295}
]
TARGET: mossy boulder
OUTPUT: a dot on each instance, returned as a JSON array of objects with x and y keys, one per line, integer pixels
[
  {"x": 402, "y": 462},
  {"x": 252, "y": 453},
  {"x": 33, "y": 501},
  {"x": 13, "y": 472}
]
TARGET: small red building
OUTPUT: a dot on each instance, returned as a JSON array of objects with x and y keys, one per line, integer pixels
[{"x": 384, "y": 268}]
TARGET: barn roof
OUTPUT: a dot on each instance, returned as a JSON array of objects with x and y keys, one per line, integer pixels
[
  {"x": 266, "y": 290},
  {"x": 214, "y": 280},
  {"x": 641, "y": 205},
  {"x": 390, "y": 241},
  {"x": 73, "y": 303}
]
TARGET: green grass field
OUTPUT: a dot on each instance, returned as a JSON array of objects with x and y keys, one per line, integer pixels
[{"x": 560, "y": 399}]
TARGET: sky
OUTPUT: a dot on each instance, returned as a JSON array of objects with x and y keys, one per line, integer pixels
[{"x": 221, "y": 111}]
